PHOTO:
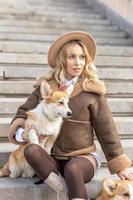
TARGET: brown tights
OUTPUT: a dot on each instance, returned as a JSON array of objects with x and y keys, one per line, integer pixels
[{"x": 76, "y": 171}]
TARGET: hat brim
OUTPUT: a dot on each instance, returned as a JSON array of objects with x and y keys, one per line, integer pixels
[{"x": 84, "y": 37}]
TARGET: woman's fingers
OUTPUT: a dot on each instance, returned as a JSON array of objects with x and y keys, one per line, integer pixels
[{"x": 126, "y": 174}]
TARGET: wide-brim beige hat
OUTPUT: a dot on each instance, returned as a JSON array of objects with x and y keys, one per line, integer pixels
[{"x": 84, "y": 37}]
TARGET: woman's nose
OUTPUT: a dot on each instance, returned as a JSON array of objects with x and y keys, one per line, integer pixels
[{"x": 77, "y": 61}]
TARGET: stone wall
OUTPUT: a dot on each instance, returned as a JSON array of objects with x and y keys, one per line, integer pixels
[
  {"x": 120, "y": 12},
  {"x": 123, "y": 7}
]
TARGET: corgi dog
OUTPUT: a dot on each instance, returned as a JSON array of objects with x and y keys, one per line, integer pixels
[
  {"x": 43, "y": 126},
  {"x": 116, "y": 190}
]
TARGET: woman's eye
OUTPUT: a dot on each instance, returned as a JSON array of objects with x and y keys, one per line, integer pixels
[
  {"x": 82, "y": 57},
  {"x": 71, "y": 57}
]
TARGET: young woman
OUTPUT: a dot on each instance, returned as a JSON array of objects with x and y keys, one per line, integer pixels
[{"x": 74, "y": 153}]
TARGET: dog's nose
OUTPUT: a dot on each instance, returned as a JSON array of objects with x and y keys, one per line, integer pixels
[{"x": 69, "y": 114}]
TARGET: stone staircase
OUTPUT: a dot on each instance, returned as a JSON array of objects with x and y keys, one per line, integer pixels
[{"x": 27, "y": 28}]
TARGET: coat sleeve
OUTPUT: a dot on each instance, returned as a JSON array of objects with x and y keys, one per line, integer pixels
[
  {"x": 107, "y": 135},
  {"x": 21, "y": 116}
]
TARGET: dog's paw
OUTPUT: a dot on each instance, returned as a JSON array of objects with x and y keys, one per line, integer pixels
[
  {"x": 33, "y": 138},
  {"x": 12, "y": 175},
  {"x": 34, "y": 142}
]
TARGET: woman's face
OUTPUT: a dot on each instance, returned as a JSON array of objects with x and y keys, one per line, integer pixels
[{"x": 75, "y": 61}]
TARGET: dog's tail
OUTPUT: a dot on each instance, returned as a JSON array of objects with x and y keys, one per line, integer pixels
[{"x": 4, "y": 171}]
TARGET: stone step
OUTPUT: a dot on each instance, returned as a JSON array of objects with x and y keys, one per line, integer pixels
[
  {"x": 7, "y": 147},
  {"x": 43, "y": 44},
  {"x": 118, "y": 61},
  {"x": 123, "y": 124},
  {"x": 14, "y": 87},
  {"x": 57, "y": 3},
  {"x": 53, "y": 20},
  {"x": 35, "y": 24},
  {"x": 42, "y": 5},
  {"x": 22, "y": 188},
  {"x": 49, "y": 9},
  {"x": 41, "y": 59},
  {"x": 39, "y": 2},
  {"x": 41, "y": 17},
  {"x": 82, "y": 8},
  {"x": 114, "y": 51},
  {"x": 54, "y": 28},
  {"x": 109, "y": 40},
  {"x": 23, "y": 58},
  {"x": 30, "y": 4},
  {"x": 27, "y": 10},
  {"x": 118, "y": 88},
  {"x": 52, "y": 24},
  {"x": 114, "y": 41},
  {"x": 115, "y": 73},
  {"x": 25, "y": 72},
  {"x": 19, "y": 189},
  {"x": 54, "y": 13},
  {"x": 1, "y": 72},
  {"x": 8, "y": 106},
  {"x": 52, "y": 36}
]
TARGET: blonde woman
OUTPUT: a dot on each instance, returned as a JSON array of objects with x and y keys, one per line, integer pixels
[{"x": 74, "y": 153}]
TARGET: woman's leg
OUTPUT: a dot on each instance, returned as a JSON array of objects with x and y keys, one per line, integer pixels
[
  {"x": 40, "y": 161},
  {"x": 47, "y": 168},
  {"x": 78, "y": 171}
]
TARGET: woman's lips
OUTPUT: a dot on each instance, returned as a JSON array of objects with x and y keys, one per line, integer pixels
[{"x": 77, "y": 69}]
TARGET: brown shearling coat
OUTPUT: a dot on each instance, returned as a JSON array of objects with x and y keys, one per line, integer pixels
[{"x": 90, "y": 112}]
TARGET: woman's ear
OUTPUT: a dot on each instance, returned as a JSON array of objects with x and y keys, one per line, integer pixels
[
  {"x": 109, "y": 186},
  {"x": 46, "y": 90}
]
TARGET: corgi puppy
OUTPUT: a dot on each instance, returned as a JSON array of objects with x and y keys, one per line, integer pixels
[
  {"x": 43, "y": 125},
  {"x": 116, "y": 190}
]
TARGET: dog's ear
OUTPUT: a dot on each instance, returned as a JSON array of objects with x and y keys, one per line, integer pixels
[
  {"x": 46, "y": 90},
  {"x": 109, "y": 186}
]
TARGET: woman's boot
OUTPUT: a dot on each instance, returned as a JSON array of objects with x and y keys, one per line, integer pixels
[{"x": 57, "y": 183}]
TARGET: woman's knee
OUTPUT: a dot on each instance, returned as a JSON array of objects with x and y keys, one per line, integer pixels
[
  {"x": 71, "y": 170},
  {"x": 31, "y": 150}
]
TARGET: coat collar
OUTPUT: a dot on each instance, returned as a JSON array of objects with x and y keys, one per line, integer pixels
[{"x": 91, "y": 86}]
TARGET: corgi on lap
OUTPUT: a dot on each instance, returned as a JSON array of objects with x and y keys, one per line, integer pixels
[{"x": 43, "y": 125}]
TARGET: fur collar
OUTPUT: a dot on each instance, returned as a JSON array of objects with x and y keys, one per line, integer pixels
[{"x": 97, "y": 87}]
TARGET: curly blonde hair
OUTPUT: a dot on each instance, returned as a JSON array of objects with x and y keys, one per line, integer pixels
[{"x": 59, "y": 73}]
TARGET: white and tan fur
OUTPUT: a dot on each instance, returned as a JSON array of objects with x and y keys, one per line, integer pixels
[
  {"x": 116, "y": 190},
  {"x": 44, "y": 120}
]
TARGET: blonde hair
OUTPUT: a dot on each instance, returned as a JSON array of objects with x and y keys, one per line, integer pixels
[{"x": 89, "y": 71}]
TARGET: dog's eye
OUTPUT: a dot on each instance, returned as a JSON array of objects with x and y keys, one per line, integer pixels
[
  {"x": 126, "y": 194},
  {"x": 61, "y": 102}
]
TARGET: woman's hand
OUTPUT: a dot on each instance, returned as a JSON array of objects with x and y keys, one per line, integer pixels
[{"x": 126, "y": 174}]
